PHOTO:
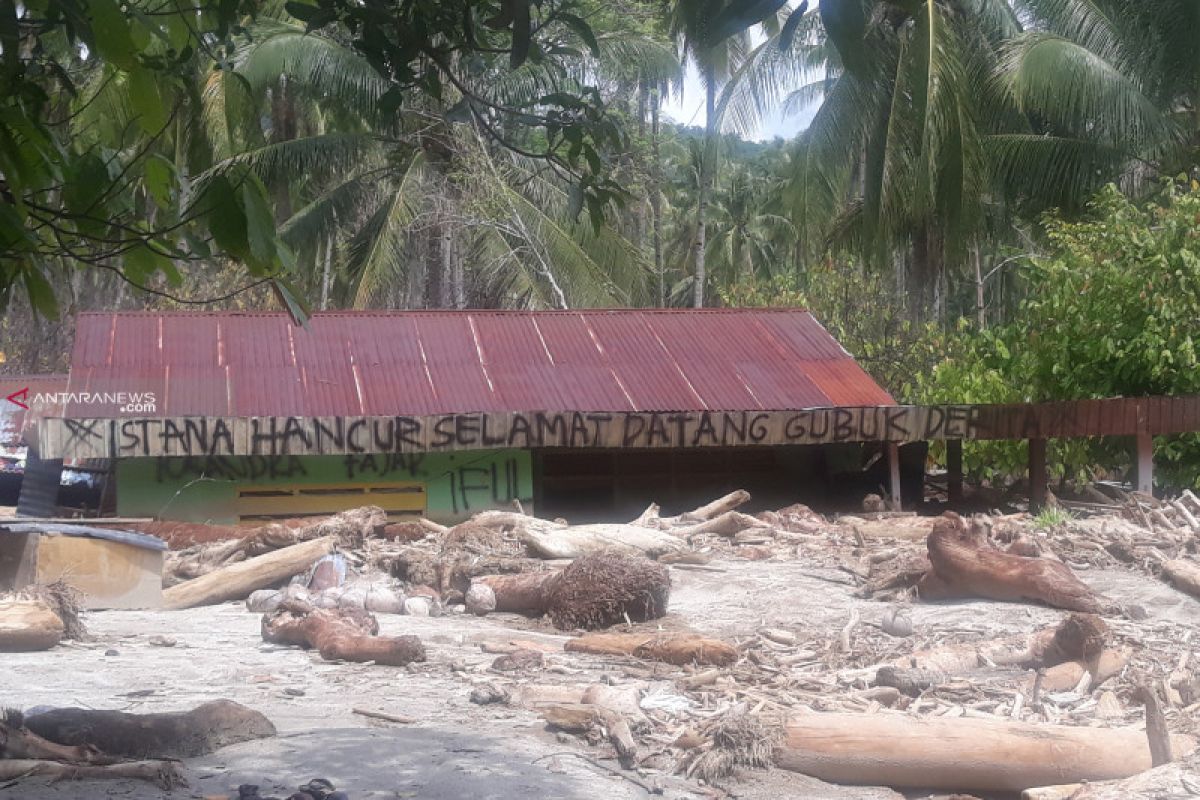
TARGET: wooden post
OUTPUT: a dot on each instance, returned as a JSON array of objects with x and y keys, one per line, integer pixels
[
  {"x": 893, "y": 456},
  {"x": 1037, "y": 474},
  {"x": 1145, "y": 462},
  {"x": 954, "y": 470}
]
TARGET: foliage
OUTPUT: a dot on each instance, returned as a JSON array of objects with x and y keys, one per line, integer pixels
[
  {"x": 1110, "y": 311},
  {"x": 1051, "y": 517}
]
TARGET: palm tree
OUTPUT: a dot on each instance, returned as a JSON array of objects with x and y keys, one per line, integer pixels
[
  {"x": 1106, "y": 89},
  {"x": 894, "y": 164},
  {"x": 404, "y": 202},
  {"x": 713, "y": 36}
]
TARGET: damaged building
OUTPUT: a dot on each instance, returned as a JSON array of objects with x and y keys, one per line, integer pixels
[{"x": 240, "y": 416}]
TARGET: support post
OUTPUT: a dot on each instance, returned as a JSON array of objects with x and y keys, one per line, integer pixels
[
  {"x": 1145, "y": 462},
  {"x": 893, "y": 457},
  {"x": 1037, "y": 474},
  {"x": 954, "y": 470}
]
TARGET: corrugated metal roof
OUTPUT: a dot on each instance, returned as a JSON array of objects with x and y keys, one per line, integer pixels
[{"x": 434, "y": 362}]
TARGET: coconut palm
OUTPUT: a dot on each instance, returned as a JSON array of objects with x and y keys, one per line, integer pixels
[{"x": 398, "y": 204}]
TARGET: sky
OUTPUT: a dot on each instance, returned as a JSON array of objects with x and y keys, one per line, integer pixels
[{"x": 687, "y": 108}]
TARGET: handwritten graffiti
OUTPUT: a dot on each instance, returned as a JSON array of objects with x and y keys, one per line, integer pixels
[{"x": 200, "y": 437}]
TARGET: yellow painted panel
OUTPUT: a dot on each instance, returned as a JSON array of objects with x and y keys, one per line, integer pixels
[{"x": 397, "y": 499}]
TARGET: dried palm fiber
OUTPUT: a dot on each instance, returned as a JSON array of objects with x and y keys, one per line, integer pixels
[
  {"x": 739, "y": 740},
  {"x": 607, "y": 588}
]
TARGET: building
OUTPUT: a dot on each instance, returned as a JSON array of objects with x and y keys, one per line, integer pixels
[{"x": 239, "y": 416}]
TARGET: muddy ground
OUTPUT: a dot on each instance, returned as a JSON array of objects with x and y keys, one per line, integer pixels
[{"x": 454, "y": 748}]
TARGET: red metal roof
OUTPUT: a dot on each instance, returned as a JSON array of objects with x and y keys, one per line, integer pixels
[{"x": 435, "y": 362}]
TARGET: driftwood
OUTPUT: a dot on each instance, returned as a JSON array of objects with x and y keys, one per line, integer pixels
[
  {"x": 238, "y": 580},
  {"x": 339, "y": 634},
  {"x": 28, "y": 623},
  {"x": 1168, "y": 781},
  {"x": 963, "y": 754},
  {"x": 348, "y": 528},
  {"x": 180, "y": 734},
  {"x": 671, "y": 648},
  {"x": 546, "y": 539},
  {"x": 165, "y": 774},
  {"x": 594, "y": 591},
  {"x": 717, "y": 507},
  {"x": 965, "y": 564},
  {"x": 583, "y": 717},
  {"x": 1184, "y": 574},
  {"x": 17, "y": 741}
]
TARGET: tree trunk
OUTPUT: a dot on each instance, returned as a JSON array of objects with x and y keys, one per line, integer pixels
[
  {"x": 326, "y": 273},
  {"x": 968, "y": 566},
  {"x": 237, "y": 581},
  {"x": 980, "y": 306},
  {"x": 962, "y": 754},
  {"x": 175, "y": 734},
  {"x": 339, "y": 635},
  {"x": 28, "y": 624},
  {"x": 656, "y": 196},
  {"x": 707, "y": 163},
  {"x": 927, "y": 268}
]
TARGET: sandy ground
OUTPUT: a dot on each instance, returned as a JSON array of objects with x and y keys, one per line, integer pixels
[{"x": 455, "y": 749}]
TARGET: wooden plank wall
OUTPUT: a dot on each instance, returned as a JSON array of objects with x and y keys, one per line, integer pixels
[{"x": 222, "y": 436}]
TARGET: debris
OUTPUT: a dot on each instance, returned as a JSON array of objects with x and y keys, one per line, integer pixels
[
  {"x": 671, "y": 648},
  {"x": 964, "y": 564},
  {"x": 180, "y": 734},
  {"x": 1157, "y": 734},
  {"x": 594, "y": 591},
  {"x": 480, "y": 599},
  {"x": 896, "y": 750},
  {"x": 582, "y": 717},
  {"x": 166, "y": 775},
  {"x": 396, "y": 718},
  {"x": 28, "y": 623},
  {"x": 339, "y": 634},
  {"x": 238, "y": 580},
  {"x": 1184, "y": 574}
]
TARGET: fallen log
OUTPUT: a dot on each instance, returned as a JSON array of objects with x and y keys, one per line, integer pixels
[
  {"x": 1184, "y": 574},
  {"x": 582, "y": 717},
  {"x": 28, "y": 623},
  {"x": 965, "y": 565},
  {"x": 594, "y": 591},
  {"x": 17, "y": 741},
  {"x": 339, "y": 634},
  {"x": 963, "y": 754},
  {"x": 1172, "y": 780},
  {"x": 238, "y": 580},
  {"x": 166, "y": 775},
  {"x": 717, "y": 507},
  {"x": 177, "y": 734},
  {"x": 348, "y": 528},
  {"x": 552, "y": 540},
  {"x": 670, "y": 648}
]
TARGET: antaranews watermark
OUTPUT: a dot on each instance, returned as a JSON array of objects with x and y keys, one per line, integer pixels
[{"x": 124, "y": 402}]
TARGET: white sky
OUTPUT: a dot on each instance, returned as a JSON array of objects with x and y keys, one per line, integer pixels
[{"x": 687, "y": 108}]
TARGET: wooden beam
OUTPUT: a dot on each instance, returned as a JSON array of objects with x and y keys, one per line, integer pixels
[
  {"x": 1145, "y": 462},
  {"x": 1037, "y": 474},
  {"x": 893, "y": 457},
  {"x": 954, "y": 470}
]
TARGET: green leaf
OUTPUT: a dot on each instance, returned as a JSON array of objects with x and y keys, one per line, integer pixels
[
  {"x": 159, "y": 175},
  {"x": 582, "y": 30},
  {"x": 41, "y": 295},
  {"x": 110, "y": 34},
  {"x": 260, "y": 226},
  {"x": 292, "y": 301},
  {"x": 141, "y": 263},
  {"x": 226, "y": 220},
  {"x": 146, "y": 101}
]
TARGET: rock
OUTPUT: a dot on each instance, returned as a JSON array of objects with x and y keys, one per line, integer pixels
[
  {"x": 896, "y": 622},
  {"x": 480, "y": 600},
  {"x": 111, "y": 653},
  {"x": 488, "y": 693},
  {"x": 161, "y": 641},
  {"x": 264, "y": 601},
  {"x": 417, "y": 606},
  {"x": 518, "y": 660},
  {"x": 354, "y": 598},
  {"x": 382, "y": 600}
]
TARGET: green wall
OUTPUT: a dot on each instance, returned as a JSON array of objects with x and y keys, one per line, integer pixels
[{"x": 203, "y": 489}]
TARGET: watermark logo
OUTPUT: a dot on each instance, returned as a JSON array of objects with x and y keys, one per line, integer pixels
[
  {"x": 19, "y": 397},
  {"x": 125, "y": 402}
]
